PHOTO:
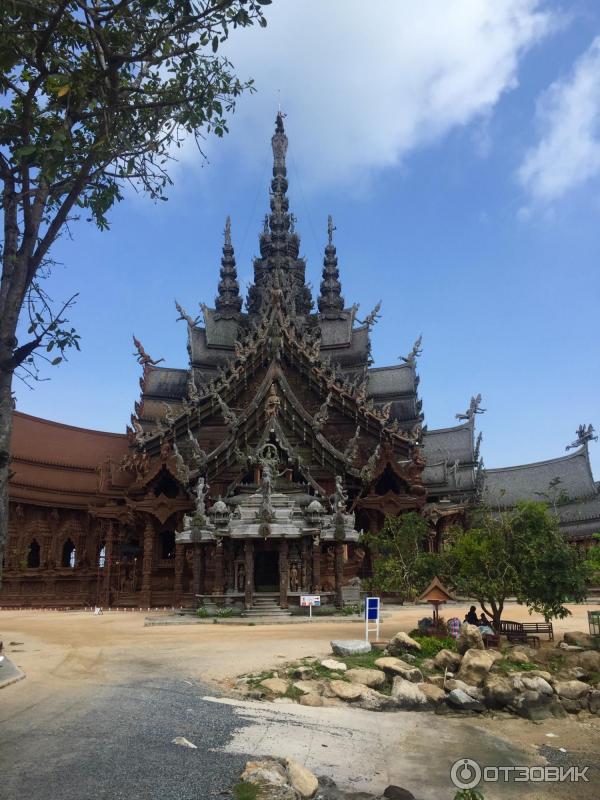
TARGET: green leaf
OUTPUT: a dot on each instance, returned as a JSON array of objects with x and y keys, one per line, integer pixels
[
  {"x": 56, "y": 361},
  {"x": 215, "y": 44}
]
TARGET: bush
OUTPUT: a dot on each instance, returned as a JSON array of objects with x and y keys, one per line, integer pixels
[
  {"x": 224, "y": 613},
  {"x": 431, "y": 646},
  {"x": 201, "y": 612}
]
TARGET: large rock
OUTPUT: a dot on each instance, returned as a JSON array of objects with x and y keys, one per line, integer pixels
[
  {"x": 371, "y": 700},
  {"x": 436, "y": 680},
  {"x": 397, "y": 793},
  {"x": 265, "y": 773},
  {"x": 395, "y": 666},
  {"x": 350, "y": 647},
  {"x": 407, "y": 694},
  {"x": 333, "y": 665},
  {"x": 308, "y": 687},
  {"x": 473, "y": 691},
  {"x": 303, "y": 673},
  {"x": 313, "y": 700},
  {"x": 589, "y": 661},
  {"x": 534, "y": 683},
  {"x": 498, "y": 691},
  {"x": 579, "y": 639},
  {"x": 346, "y": 691},
  {"x": 594, "y": 701},
  {"x": 464, "y": 702},
  {"x": 475, "y": 665},
  {"x": 275, "y": 685},
  {"x": 517, "y": 656},
  {"x": 447, "y": 659},
  {"x": 434, "y": 694},
  {"x": 570, "y": 648},
  {"x": 572, "y": 690},
  {"x": 532, "y": 705},
  {"x": 373, "y": 678},
  {"x": 302, "y": 779},
  {"x": 401, "y": 643},
  {"x": 469, "y": 638}
]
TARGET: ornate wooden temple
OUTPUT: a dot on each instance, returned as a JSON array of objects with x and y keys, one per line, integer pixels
[{"x": 251, "y": 473}]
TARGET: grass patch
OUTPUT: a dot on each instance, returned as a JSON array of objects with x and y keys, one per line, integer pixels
[
  {"x": 246, "y": 791},
  {"x": 502, "y": 665},
  {"x": 293, "y": 693},
  {"x": 431, "y": 645}
]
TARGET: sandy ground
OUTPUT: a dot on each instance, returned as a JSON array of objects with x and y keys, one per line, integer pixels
[{"x": 83, "y": 651}]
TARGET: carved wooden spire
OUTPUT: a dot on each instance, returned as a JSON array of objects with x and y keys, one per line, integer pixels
[
  {"x": 330, "y": 298},
  {"x": 228, "y": 301}
]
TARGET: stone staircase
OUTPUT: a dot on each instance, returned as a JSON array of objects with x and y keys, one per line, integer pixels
[{"x": 266, "y": 606}]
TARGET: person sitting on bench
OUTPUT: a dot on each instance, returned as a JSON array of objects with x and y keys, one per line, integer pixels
[{"x": 471, "y": 617}]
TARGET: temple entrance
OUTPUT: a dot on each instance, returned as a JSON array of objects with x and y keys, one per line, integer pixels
[{"x": 266, "y": 571}]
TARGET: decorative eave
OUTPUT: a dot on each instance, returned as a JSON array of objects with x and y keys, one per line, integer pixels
[{"x": 436, "y": 592}]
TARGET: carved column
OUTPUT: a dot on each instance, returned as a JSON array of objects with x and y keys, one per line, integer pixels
[
  {"x": 249, "y": 567},
  {"x": 339, "y": 573},
  {"x": 306, "y": 563},
  {"x": 283, "y": 573},
  {"x": 149, "y": 535},
  {"x": 316, "y": 565},
  {"x": 108, "y": 563},
  {"x": 197, "y": 572},
  {"x": 178, "y": 583},
  {"x": 218, "y": 586}
]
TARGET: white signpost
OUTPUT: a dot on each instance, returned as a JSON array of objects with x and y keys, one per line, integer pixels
[
  {"x": 372, "y": 614},
  {"x": 310, "y": 600}
]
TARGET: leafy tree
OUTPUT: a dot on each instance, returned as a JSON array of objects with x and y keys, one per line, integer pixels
[
  {"x": 400, "y": 563},
  {"x": 94, "y": 94},
  {"x": 592, "y": 561},
  {"x": 519, "y": 553}
]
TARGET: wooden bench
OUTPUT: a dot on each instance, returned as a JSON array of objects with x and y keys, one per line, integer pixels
[{"x": 526, "y": 632}]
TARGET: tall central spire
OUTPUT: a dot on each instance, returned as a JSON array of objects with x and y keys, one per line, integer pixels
[{"x": 279, "y": 243}]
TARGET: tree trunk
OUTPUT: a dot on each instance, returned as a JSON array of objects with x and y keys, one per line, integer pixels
[{"x": 6, "y": 423}]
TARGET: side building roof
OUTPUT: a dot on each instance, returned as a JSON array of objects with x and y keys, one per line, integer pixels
[{"x": 504, "y": 487}]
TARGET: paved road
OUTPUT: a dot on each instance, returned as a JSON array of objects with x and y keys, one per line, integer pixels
[{"x": 114, "y": 741}]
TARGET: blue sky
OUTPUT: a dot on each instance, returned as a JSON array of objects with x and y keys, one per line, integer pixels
[{"x": 457, "y": 147}]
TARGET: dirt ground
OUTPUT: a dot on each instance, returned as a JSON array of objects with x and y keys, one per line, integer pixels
[{"x": 79, "y": 649}]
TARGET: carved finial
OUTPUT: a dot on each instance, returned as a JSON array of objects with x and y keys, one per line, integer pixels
[
  {"x": 184, "y": 315},
  {"x": 474, "y": 408},
  {"x": 330, "y": 229},
  {"x": 372, "y": 318},
  {"x": 227, "y": 231},
  {"x": 416, "y": 351},
  {"x": 142, "y": 356},
  {"x": 585, "y": 435}
]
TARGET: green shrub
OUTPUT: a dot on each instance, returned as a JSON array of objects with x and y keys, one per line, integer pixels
[
  {"x": 431, "y": 645},
  {"x": 224, "y": 613},
  {"x": 201, "y": 612}
]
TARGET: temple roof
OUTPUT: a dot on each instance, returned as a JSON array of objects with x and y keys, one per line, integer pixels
[
  {"x": 449, "y": 444},
  {"x": 572, "y": 474},
  {"x": 165, "y": 382}
]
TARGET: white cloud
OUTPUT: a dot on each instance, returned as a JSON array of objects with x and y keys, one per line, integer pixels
[
  {"x": 568, "y": 151},
  {"x": 364, "y": 84}
]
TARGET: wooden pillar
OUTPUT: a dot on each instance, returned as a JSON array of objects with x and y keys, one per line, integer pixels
[
  {"x": 218, "y": 586},
  {"x": 283, "y": 573},
  {"x": 249, "y": 567},
  {"x": 197, "y": 572},
  {"x": 178, "y": 583},
  {"x": 148, "y": 560},
  {"x": 316, "y": 565},
  {"x": 306, "y": 564},
  {"x": 108, "y": 563},
  {"x": 339, "y": 573}
]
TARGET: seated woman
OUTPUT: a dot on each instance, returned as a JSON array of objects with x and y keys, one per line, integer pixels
[{"x": 471, "y": 617}]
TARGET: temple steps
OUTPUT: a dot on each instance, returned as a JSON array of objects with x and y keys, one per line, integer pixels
[{"x": 266, "y": 607}]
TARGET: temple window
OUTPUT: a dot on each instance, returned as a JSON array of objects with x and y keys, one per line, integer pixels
[
  {"x": 68, "y": 554},
  {"x": 166, "y": 541},
  {"x": 102, "y": 557},
  {"x": 33, "y": 555}
]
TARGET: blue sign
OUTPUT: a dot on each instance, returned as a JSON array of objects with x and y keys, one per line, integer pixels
[{"x": 372, "y": 608}]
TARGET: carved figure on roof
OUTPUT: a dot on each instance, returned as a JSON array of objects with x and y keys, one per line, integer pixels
[
  {"x": 367, "y": 473},
  {"x": 322, "y": 414},
  {"x": 385, "y": 412},
  {"x": 165, "y": 450},
  {"x": 340, "y": 496},
  {"x": 181, "y": 468},
  {"x": 266, "y": 488},
  {"x": 373, "y": 317},
  {"x": 169, "y": 416},
  {"x": 416, "y": 351},
  {"x": 198, "y": 456},
  {"x": 201, "y": 492},
  {"x": 272, "y": 403},
  {"x": 183, "y": 315},
  {"x": 351, "y": 450},
  {"x": 142, "y": 356},
  {"x": 228, "y": 415},
  {"x": 192, "y": 390},
  {"x": 474, "y": 408},
  {"x": 477, "y": 446},
  {"x": 585, "y": 434}
]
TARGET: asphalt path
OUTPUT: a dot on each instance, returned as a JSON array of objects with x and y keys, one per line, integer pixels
[{"x": 115, "y": 741}]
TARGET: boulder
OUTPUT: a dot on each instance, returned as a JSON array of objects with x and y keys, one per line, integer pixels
[
  {"x": 332, "y": 664},
  {"x": 572, "y": 690},
  {"x": 538, "y": 673},
  {"x": 407, "y": 694},
  {"x": 266, "y": 772},
  {"x": 575, "y": 674},
  {"x": 579, "y": 639},
  {"x": 302, "y": 779},
  {"x": 570, "y": 648},
  {"x": 464, "y": 702},
  {"x": 395, "y": 666},
  {"x": 498, "y": 691},
  {"x": 532, "y": 705},
  {"x": 370, "y": 700},
  {"x": 307, "y": 687},
  {"x": 346, "y": 691},
  {"x": 373, "y": 678},
  {"x": 350, "y": 647},
  {"x": 275, "y": 685},
  {"x": 436, "y": 680},
  {"x": 572, "y": 706},
  {"x": 594, "y": 701},
  {"x": 473, "y": 691},
  {"x": 402, "y": 642},
  {"x": 447, "y": 659},
  {"x": 469, "y": 638},
  {"x": 475, "y": 665},
  {"x": 303, "y": 673},
  {"x": 517, "y": 656},
  {"x": 434, "y": 694},
  {"x": 589, "y": 661},
  {"x": 397, "y": 793},
  {"x": 534, "y": 683},
  {"x": 314, "y": 700}
]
